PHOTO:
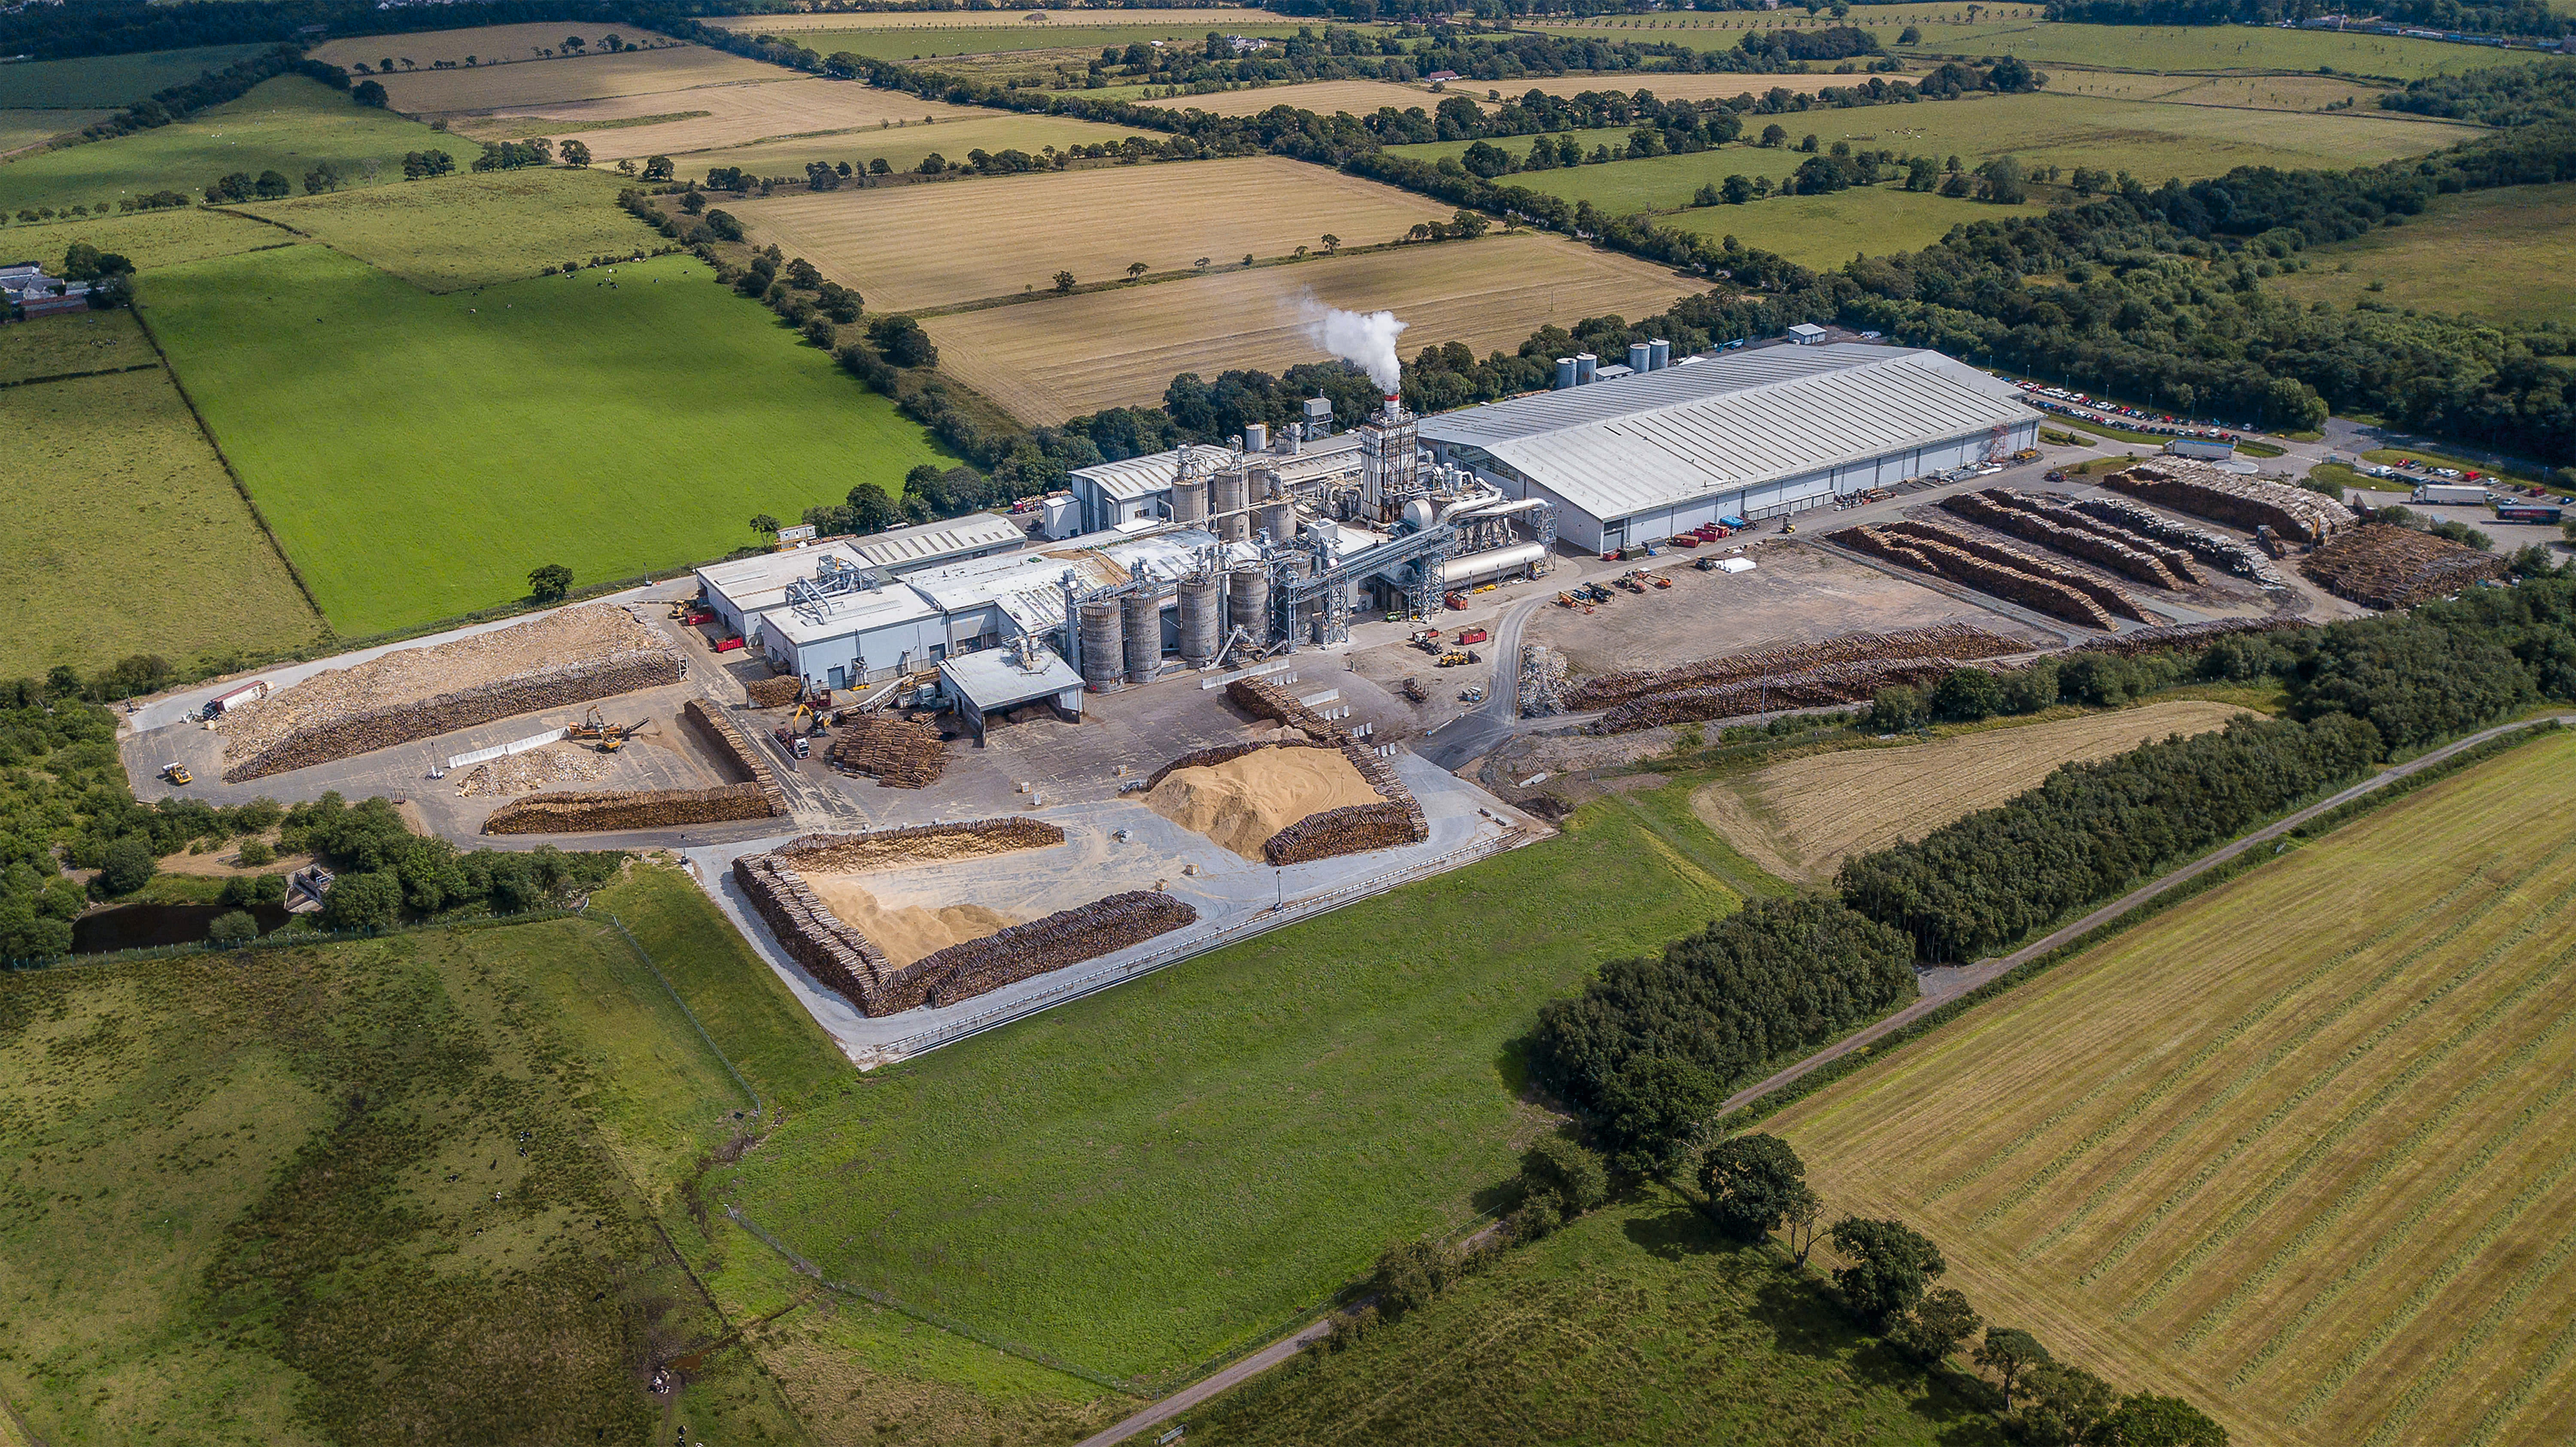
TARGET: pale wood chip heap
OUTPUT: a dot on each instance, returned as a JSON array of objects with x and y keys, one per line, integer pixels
[{"x": 1352, "y": 830}]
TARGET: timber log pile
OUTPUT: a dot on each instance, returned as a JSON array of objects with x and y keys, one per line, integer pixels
[
  {"x": 2186, "y": 635},
  {"x": 1067, "y": 937},
  {"x": 2179, "y": 560},
  {"x": 735, "y": 747},
  {"x": 2105, "y": 597},
  {"x": 916, "y": 844},
  {"x": 600, "y": 811},
  {"x": 1222, "y": 754},
  {"x": 1931, "y": 555},
  {"x": 2244, "y": 502},
  {"x": 2386, "y": 566},
  {"x": 896, "y": 753},
  {"x": 2241, "y": 558},
  {"x": 1945, "y": 641},
  {"x": 1380, "y": 830},
  {"x": 402, "y": 723},
  {"x": 1355, "y": 829},
  {"x": 837, "y": 955},
  {"x": 1818, "y": 687},
  {"x": 2084, "y": 543},
  {"x": 775, "y": 692}
]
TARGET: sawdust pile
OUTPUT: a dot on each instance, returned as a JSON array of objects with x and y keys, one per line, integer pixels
[
  {"x": 905, "y": 933},
  {"x": 1242, "y": 802},
  {"x": 526, "y": 773}
]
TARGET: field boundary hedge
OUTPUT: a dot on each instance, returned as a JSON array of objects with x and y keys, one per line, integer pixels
[{"x": 76, "y": 376}]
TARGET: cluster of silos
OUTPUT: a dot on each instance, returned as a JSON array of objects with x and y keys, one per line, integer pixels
[
  {"x": 1190, "y": 501},
  {"x": 1101, "y": 651},
  {"x": 1141, "y": 614},
  {"x": 1247, "y": 603},
  {"x": 1227, "y": 499}
]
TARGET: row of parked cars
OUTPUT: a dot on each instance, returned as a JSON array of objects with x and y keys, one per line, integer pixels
[{"x": 2076, "y": 404}]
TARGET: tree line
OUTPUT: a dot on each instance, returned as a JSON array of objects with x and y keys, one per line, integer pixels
[{"x": 2482, "y": 17}]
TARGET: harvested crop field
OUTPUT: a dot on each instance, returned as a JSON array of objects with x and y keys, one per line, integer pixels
[
  {"x": 2236, "y": 92},
  {"x": 490, "y": 45},
  {"x": 1242, "y": 802},
  {"x": 1216, "y": 17},
  {"x": 1323, "y": 97},
  {"x": 905, "y": 933},
  {"x": 1054, "y": 358},
  {"x": 2298, "y": 1150},
  {"x": 998, "y": 236},
  {"x": 736, "y": 114},
  {"x": 590, "y": 77},
  {"x": 1801, "y": 819},
  {"x": 901, "y": 147},
  {"x": 1667, "y": 87},
  {"x": 473, "y": 230}
]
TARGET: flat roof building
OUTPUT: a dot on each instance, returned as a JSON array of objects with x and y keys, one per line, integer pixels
[
  {"x": 1001, "y": 679},
  {"x": 1750, "y": 435}
]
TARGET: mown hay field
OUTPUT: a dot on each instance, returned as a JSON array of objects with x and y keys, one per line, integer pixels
[
  {"x": 488, "y": 44},
  {"x": 289, "y": 125},
  {"x": 735, "y": 114},
  {"x": 2242, "y": 92},
  {"x": 1642, "y": 28},
  {"x": 2175, "y": 48},
  {"x": 1061, "y": 356},
  {"x": 20, "y": 129},
  {"x": 2298, "y": 1150},
  {"x": 470, "y": 230},
  {"x": 1077, "y": 44},
  {"x": 587, "y": 77},
  {"x": 902, "y": 147},
  {"x": 149, "y": 239},
  {"x": 126, "y": 534},
  {"x": 1669, "y": 87},
  {"x": 1323, "y": 97},
  {"x": 2501, "y": 254},
  {"x": 1801, "y": 819},
  {"x": 996, "y": 236},
  {"x": 1228, "y": 18},
  {"x": 111, "y": 80},
  {"x": 419, "y": 454}
]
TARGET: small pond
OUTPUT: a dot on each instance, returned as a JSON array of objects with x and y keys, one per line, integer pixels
[{"x": 144, "y": 926}]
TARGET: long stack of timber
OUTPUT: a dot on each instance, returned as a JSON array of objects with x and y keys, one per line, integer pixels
[
  {"x": 2187, "y": 635},
  {"x": 554, "y": 686},
  {"x": 1816, "y": 687},
  {"x": 1067, "y": 937},
  {"x": 2107, "y": 598},
  {"x": 1401, "y": 820},
  {"x": 1983, "y": 509},
  {"x": 1223, "y": 754},
  {"x": 2243, "y": 559},
  {"x": 1931, "y": 555},
  {"x": 1354, "y": 829},
  {"x": 917, "y": 844},
  {"x": 775, "y": 692},
  {"x": 1945, "y": 640},
  {"x": 2386, "y": 566},
  {"x": 2176, "y": 559},
  {"x": 598, "y": 811},
  {"x": 892, "y": 751},
  {"x": 839, "y": 956},
  {"x": 735, "y": 747},
  {"x": 2245, "y": 502}
]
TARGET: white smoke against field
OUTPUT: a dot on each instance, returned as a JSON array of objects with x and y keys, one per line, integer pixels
[{"x": 1366, "y": 338}]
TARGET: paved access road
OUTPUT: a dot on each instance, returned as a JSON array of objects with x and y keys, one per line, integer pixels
[{"x": 1951, "y": 984}]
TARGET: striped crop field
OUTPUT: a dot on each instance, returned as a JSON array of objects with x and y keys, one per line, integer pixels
[{"x": 2301, "y": 1150}]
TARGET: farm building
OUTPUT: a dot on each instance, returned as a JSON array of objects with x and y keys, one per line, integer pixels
[{"x": 1752, "y": 435}]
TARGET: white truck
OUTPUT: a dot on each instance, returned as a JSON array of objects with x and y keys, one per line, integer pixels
[{"x": 2450, "y": 494}]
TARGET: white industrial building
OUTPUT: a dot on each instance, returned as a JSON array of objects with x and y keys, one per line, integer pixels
[{"x": 1750, "y": 435}]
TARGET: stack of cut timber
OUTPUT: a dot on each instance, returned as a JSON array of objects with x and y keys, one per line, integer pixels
[
  {"x": 1067, "y": 937},
  {"x": 2293, "y": 512},
  {"x": 1932, "y": 555},
  {"x": 600, "y": 811},
  {"x": 1945, "y": 641},
  {"x": 553, "y": 686},
  {"x": 1354, "y": 829},
  {"x": 1816, "y": 687},
  {"x": 895, "y": 753},
  {"x": 735, "y": 748},
  {"x": 2386, "y": 566},
  {"x": 840, "y": 957},
  {"x": 2186, "y": 635},
  {"x": 2243, "y": 559},
  {"x": 773, "y": 692},
  {"x": 2178, "y": 560},
  {"x": 918, "y": 843},
  {"x": 2107, "y": 598},
  {"x": 1265, "y": 700},
  {"x": 1984, "y": 508}
]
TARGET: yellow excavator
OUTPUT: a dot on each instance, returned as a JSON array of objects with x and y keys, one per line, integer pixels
[{"x": 599, "y": 733}]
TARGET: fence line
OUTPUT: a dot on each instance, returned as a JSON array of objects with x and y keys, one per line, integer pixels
[
  {"x": 637, "y": 945},
  {"x": 923, "y": 1041}
]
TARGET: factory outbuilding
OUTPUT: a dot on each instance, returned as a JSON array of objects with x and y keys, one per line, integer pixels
[
  {"x": 997, "y": 680},
  {"x": 1749, "y": 435}
]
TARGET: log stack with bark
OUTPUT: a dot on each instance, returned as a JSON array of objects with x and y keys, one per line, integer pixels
[
  {"x": 1952, "y": 641},
  {"x": 1985, "y": 510},
  {"x": 2244, "y": 502},
  {"x": 1919, "y": 549},
  {"x": 2386, "y": 566},
  {"x": 1360, "y": 827},
  {"x": 895, "y": 752},
  {"x": 735, "y": 748},
  {"x": 600, "y": 811}
]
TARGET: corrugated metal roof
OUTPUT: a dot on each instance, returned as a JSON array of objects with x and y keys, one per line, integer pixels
[
  {"x": 1651, "y": 441},
  {"x": 929, "y": 542},
  {"x": 1142, "y": 476},
  {"x": 860, "y": 611},
  {"x": 995, "y": 682},
  {"x": 757, "y": 583}
]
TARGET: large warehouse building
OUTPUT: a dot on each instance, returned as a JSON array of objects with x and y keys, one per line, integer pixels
[{"x": 1753, "y": 435}]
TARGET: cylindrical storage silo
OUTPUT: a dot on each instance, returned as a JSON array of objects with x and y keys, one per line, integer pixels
[
  {"x": 1587, "y": 368},
  {"x": 1564, "y": 373},
  {"x": 1660, "y": 354},
  {"x": 1247, "y": 603},
  {"x": 1202, "y": 608},
  {"x": 1102, "y": 653},
  {"x": 1279, "y": 519},
  {"x": 1225, "y": 498},
  {"x": 1256, "y": 437},
  {"x": 1142, "y": 615},
  {"x": 1189, "y": 500},
  {"x": 1641, "y": 357}
]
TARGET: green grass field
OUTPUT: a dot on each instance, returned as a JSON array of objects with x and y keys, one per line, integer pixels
[
  {"x": 2498, "y": 254},
  {"x": 2206, "y": 48},
  {"x": 110, "y": 80},
  {"x": 463, "y": 231},
  {"x": 419, "y": 454},
  {"x": 149, "y": 239},
  {"x": 128, "y": 536},
  {"x": 289, "y": 125},
  {"x": 1139, "y": 1181},
  {"x": 1635, "y": 1324},
  {"x": 1826, "y": 231},
  {"x": 248, "y": 1195},
  {"x": 20, "y": 129}
]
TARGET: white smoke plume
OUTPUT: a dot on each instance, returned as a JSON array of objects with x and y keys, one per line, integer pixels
[{"x": 1367, "y": 338}]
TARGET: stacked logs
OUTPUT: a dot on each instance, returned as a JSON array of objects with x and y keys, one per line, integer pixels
[
  {"x": 1943, "y": 641},
  {"x": 532, "y": 692},
  {"x": 773, "y": 692},
  {"x": 2186, "y": 635},
  {"x": 1935, "y": 556},
  {"x": 895, "y": 752},
  {"x": 2386, "y": 566},
  {"x": 839, "y": 956},
  {"x": 2242, "y": 559},
  {"x": 599, "y": 811},
  {"x": 1984, "y": 508},
  {"x": 1067, "y": 937},
  {"x": 1222, "y": 754},
  {"x": 1826, "y": 684},
  {"x": 2104, "y": 596},
  {"x": 2243, "y": 502},
  {"x": 1352, "y": 830},
  {"x": 735, "y": 748},
  {"x": 878, "y": 848},
  {"x": 2178, "y": 560}
]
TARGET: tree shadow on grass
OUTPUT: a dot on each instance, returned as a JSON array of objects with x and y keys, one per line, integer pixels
[{"x": 1676, "y": 1235}]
